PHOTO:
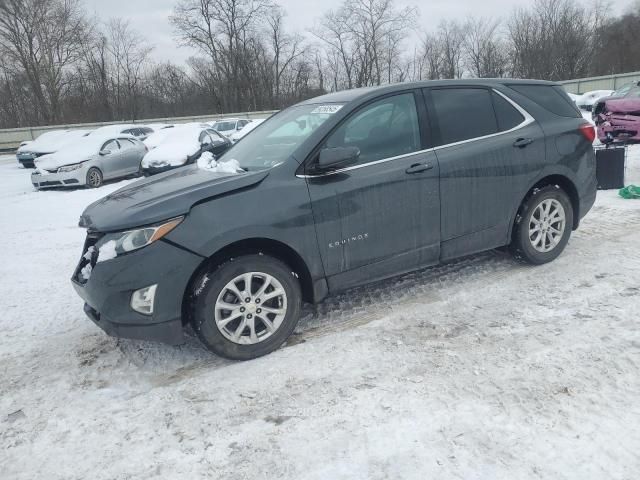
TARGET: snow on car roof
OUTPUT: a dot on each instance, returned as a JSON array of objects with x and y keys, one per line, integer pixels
[
  {"x": 113, "y": 129},
  {"x": 180, "y": 133},
  {"x": 54, "y": 140},
  {"x": 91, "y": 143}
]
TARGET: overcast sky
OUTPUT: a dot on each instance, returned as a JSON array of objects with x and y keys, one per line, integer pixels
[{"x": 150, "y": 17}]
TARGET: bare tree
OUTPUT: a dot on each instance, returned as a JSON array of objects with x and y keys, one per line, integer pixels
[
  {"x": 42, "y": 38},
  {"x": 223, "y": 30},
  {"x": 552, "y": 40},
  {"x": 286, "y": 49},
  {"x": 485, "y": 52},
  {"x": 129, "y": 54},
  {"x": 365, "y": 36},
  {"x": 452, "y": 37},
  {"x": 430, "y": 58}
]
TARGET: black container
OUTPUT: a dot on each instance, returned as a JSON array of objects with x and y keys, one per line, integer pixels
[{"x": 610, "y": 168}]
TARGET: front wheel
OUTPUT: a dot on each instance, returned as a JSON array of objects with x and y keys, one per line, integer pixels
[
  {"x": 246, "y": 307},
  {"x": 94, "y": 178},
  {"x": 543, "y": 226}
]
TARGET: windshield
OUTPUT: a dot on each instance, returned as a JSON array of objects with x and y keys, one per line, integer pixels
[
  {"x": 224, "y": 126},
  {"x": 273, "y": 141}
]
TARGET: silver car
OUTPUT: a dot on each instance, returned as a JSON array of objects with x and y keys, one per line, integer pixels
[
  {"x": 227, "y": 126},
  {"x": 89, "y": 162}
]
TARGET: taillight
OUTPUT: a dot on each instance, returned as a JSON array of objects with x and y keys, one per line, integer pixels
[{"x": 588, "y": 131}]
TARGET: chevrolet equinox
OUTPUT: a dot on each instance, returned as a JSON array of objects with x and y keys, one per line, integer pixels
[{"x": 331, "y": 193}]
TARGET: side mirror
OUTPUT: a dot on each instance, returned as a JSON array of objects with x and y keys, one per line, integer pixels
[
  {"x": 105, "y": 152},
  {"x": 337, "y": 157}
]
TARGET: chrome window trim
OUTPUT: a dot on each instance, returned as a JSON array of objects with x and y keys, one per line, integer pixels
[
  {"x": 528, "y": 119},
  {"x": 375, "y": 162}
]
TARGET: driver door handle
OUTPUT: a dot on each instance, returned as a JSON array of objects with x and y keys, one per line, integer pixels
[
  {"x": 419, "y": 167},
  {"x": 522, "y": 142}
]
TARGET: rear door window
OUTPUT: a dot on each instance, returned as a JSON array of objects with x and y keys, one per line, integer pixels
[
  {"x": 550, "y": 97},
  {"x": 506, "y": 114},
  {"x": 126, "y": 143},
  {"x": 463, "y": 113}
]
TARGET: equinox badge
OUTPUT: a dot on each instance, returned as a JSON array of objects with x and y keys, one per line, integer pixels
[{"x": 346, "y": 241}]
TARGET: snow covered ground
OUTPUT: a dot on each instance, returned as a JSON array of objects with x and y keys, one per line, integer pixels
[{"x": 479, "y": 369}]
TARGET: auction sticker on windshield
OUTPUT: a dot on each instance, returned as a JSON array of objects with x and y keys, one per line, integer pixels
[{"x": 327, "y": 109}]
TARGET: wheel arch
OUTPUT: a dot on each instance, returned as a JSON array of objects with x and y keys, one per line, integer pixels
[
  {"x": 266, "y": 246},
  {"x": 100, "y": 171},
  {"x": 561, "y": 181}
]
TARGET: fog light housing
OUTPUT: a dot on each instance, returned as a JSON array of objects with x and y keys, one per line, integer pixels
[{"x": 142, "y": 300}]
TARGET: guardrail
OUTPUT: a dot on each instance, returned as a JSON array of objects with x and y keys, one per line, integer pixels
[
  {"x": 605, "y": 82},
  {"x": 10, "y": 138}
]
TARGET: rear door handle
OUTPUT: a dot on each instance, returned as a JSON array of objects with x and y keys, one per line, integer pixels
[
  {"x": 419, "y": 167},
  {"x": 522, "y": 142}
]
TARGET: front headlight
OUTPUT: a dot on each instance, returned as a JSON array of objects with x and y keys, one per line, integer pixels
[
  {"x": 115, "y": 244},
  {"x": 70, "y": 168}
]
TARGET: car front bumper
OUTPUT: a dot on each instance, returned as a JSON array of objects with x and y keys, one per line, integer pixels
[
  {"x": 74, "y": 178},
  {"x": 108, "y": 290},
  {"x": 26, "y": 160}
]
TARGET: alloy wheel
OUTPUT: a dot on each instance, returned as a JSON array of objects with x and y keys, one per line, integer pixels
[
  {"x": 250, "y": 308},
  {"x": 547, "y": 225},
  {"x": 94, "y": 178}
]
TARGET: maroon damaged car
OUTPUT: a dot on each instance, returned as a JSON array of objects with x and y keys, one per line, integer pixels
[{"x": 617, "y": 117}]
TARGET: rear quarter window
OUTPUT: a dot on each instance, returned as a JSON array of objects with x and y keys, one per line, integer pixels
[
  {"x": 508, "y": 117},
  {"x": 550, "y": 97}
]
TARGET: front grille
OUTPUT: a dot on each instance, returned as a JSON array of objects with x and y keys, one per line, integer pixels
[
  {"x": 88, "y": 259},
  {"x": 50, "y": 184}
]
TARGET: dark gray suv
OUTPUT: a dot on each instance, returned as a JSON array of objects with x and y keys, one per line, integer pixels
[{"x": 334, "y": 192}]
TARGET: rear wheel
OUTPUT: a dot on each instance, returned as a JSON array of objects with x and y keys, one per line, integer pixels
[
  {"x": 247, "y": 307},
  {"x": 94, "y": 178},
  {"x": 543, "y": 226}
]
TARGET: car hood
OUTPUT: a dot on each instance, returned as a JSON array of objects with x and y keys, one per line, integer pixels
[
  {"x": 622, "y": 105},
  {"x": 163, "y": 196},
  {"x": 53, "y": 161}
]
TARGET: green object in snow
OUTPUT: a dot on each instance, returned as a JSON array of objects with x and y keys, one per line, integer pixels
[{"x": 630, "y": 191}]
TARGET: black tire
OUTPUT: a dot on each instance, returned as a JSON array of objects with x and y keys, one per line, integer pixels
[
  {"x": 205, "y": 294},
  {"x": 522, "y": 245},
  {"x": 94, "y": 178}
]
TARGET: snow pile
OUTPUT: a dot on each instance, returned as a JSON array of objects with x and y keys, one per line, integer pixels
[
  {"x": 113, "y": 129},
  {"x": 173, "y": 147},
  {"x": 588, "y": 99},
  {"x": 55, "y": 140},
  {"x": 85, "y": 273},
  {"x": 107, "y": 251},
  {"x": 208, "y": 162},
  {"x": 156, "y": 138}
]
